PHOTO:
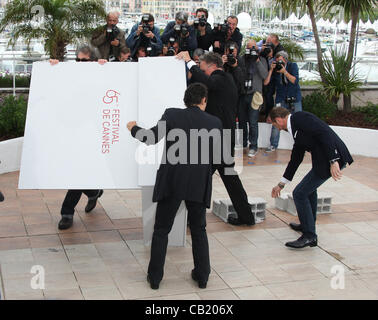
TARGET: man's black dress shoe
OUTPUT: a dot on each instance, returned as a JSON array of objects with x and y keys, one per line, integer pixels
[
  {"x": 65, "y": 223},
  {"x": 237, "y": 222},
  {"x": 93, "y": 201},
  {"x": 1, "y": 197},
  {"x": 302, "y": 242},
  {"x": 153, "y": 285},
  {"x": 295, "y": 226},
  {"x": 201, "y": 284}
]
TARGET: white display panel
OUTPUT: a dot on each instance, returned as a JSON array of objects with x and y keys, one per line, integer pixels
[
  {"x": 162, "y": 84},
  {"x": 76, "y": 135}
]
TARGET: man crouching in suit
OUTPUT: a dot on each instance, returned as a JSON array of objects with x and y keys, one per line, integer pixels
[
  {"x": 329, "y": 156},
  {"x": 188, "y": 179}
]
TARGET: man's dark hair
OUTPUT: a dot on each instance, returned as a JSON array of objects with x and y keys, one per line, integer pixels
[
  {"x": 87, "y": 50},
  {"x": 194, "y": 94},
  {"x": 150, "y": 17},
  {"x": 212, "y": 58},
  {"x": 203, "y": 10},
  {"x": 278, "y": 112},
  {"x": 124, "y": 50},
  {"x": 233, "y": 17},
  {"x": 232, "y": 43}
]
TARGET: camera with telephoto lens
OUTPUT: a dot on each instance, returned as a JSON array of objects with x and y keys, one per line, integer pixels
[
  {"x": 251, "y": 54},
  {"x": 171, "y": 48},
  {"x": 266, "y": 51},
  {"x": 200, "y": 22},
  {"x": 290, "y": 102},
  {"x": 231, "y": 60},
  {"x": 145, "y": 26},
  {"x": 182, "y": 30},
  {"x": 279, "y": 65},
  {"x": 111, "y": 34}
]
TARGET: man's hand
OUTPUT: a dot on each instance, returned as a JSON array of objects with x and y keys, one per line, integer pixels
[
  {"x": 54, "y": 62},
  {"x": 115, "y": 43},
  {"x": 335, "y": 171},
  {"x": 150, "y": 35},
  {"x": 276, "y": 191},
  {"x": 283, "y": 70},
  {"x": 184, "y": 55},
  {"x": 224, "y": 59},
  {"x": 139, "y": 30},
  {"x": 131, "y": 125},
  {"x": 216, "y": 44},
  {"x": 102, "y": 61},
  {"x": 273, "y": 66}
]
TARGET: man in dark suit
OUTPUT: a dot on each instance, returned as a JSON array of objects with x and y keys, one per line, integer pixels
[
  {"x": 223, "y": 100},
  {"x": 185, "y": 174},
  {"x": 329, "y": 156}
]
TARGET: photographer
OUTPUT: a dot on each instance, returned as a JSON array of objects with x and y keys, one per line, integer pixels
[
  {"x": 109, "y": 39},
  {"x": 288, "y": 92},
  {"x": 83, "y": 54},
  {"x": 146, "y": 35},
  {"x": 182, "y": 32},
  {"x": 171, "y": 48},
  {"x": 226, "y": 32},
  {"x": 204, "y": 31},
  {"x": 256, "y": 71},
  {"x": 125, "y": 55},
  {"x": 233, "y": 65},
  {"x": 274, "y": 40}
]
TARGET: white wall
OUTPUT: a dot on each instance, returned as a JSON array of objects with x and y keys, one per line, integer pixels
[{"x": 362, "y": 142}]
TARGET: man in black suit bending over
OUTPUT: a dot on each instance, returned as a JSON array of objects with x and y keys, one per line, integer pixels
[
  {"x": 329, "y": 156},
  {"x": 185, "y": 174},
  {"x": 223, "y": 101}
]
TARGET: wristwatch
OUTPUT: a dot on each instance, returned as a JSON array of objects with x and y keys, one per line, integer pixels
[
  {"x": 281, "y": 185},
  {"x": 333, "y": 161}
]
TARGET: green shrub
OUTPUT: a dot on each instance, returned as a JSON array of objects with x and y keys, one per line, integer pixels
[
  {"x": 370, "y": 112},
  {"x": 12, "y": 117},
  {"x": 318, "y": 104},
  {"x": 6, "y": 81}
]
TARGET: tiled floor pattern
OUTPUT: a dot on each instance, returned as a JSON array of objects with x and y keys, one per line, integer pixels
[{"x": 103, "y": 256}]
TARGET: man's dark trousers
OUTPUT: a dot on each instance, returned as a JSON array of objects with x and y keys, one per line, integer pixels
[
  {"x": 165, "y": 216},
  {"x": 236, "y": 192},
  {"x": 306, "y": 201},
  {"x": 72, "y": 199}
]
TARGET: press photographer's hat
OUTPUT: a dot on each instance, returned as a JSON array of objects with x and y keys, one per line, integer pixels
[{"x": 257, "y": 100}]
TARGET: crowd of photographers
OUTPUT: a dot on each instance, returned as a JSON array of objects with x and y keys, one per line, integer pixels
[{"x": 263, "y": 74}]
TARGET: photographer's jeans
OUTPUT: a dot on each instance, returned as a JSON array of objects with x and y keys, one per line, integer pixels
[
  {"x": 275, "y": 135},
  {"x": 248, "y": 121}
]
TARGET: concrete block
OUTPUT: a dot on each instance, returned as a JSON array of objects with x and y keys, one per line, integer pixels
[
  {"x": 291, "y": 208},
  {"x": 323, "y": 206},
  {"x": 282, "y": 201}
]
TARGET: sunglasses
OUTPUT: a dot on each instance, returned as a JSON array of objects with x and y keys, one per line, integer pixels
[{"x": 82, "y": 60}]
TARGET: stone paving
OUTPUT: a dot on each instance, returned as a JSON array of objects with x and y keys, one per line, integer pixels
[{"x": 103, "y": 256}]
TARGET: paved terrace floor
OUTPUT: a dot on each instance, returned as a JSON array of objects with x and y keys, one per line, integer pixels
[{"x": 103, "y": 256}]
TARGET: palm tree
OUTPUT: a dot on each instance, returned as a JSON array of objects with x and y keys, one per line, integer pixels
[
  {"x": 311, "y": 5},
  {"x": 339, "y": 78},
  {"x": 352, "y": 10},
  {"x": 62, "y": 22}
]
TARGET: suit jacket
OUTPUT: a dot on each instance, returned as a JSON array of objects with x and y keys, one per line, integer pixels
[
  {"x": 100, "y": 42},
  {"x": 314, "y": 135},
  {"x": 223, "y": 97},
  {"x": 184, "y": 180}
]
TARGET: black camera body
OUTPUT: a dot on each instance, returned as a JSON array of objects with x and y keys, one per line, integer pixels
[
  {"x": 182, "y": 30},
  {"x": 231, "y": 60},
  {"x": 200, "y": 22},
  {"x": 251, "y": 54},
  {"x": 171, "y": 49},
  {"x": 146, "y": 27},
  {"x": 266, "y": 51},
  {"x": 220, "y": 31},
  {"x": 290, "y": 102},
  {"x": 112, "y": 34},
  {"x": 279, "y": 65}
]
